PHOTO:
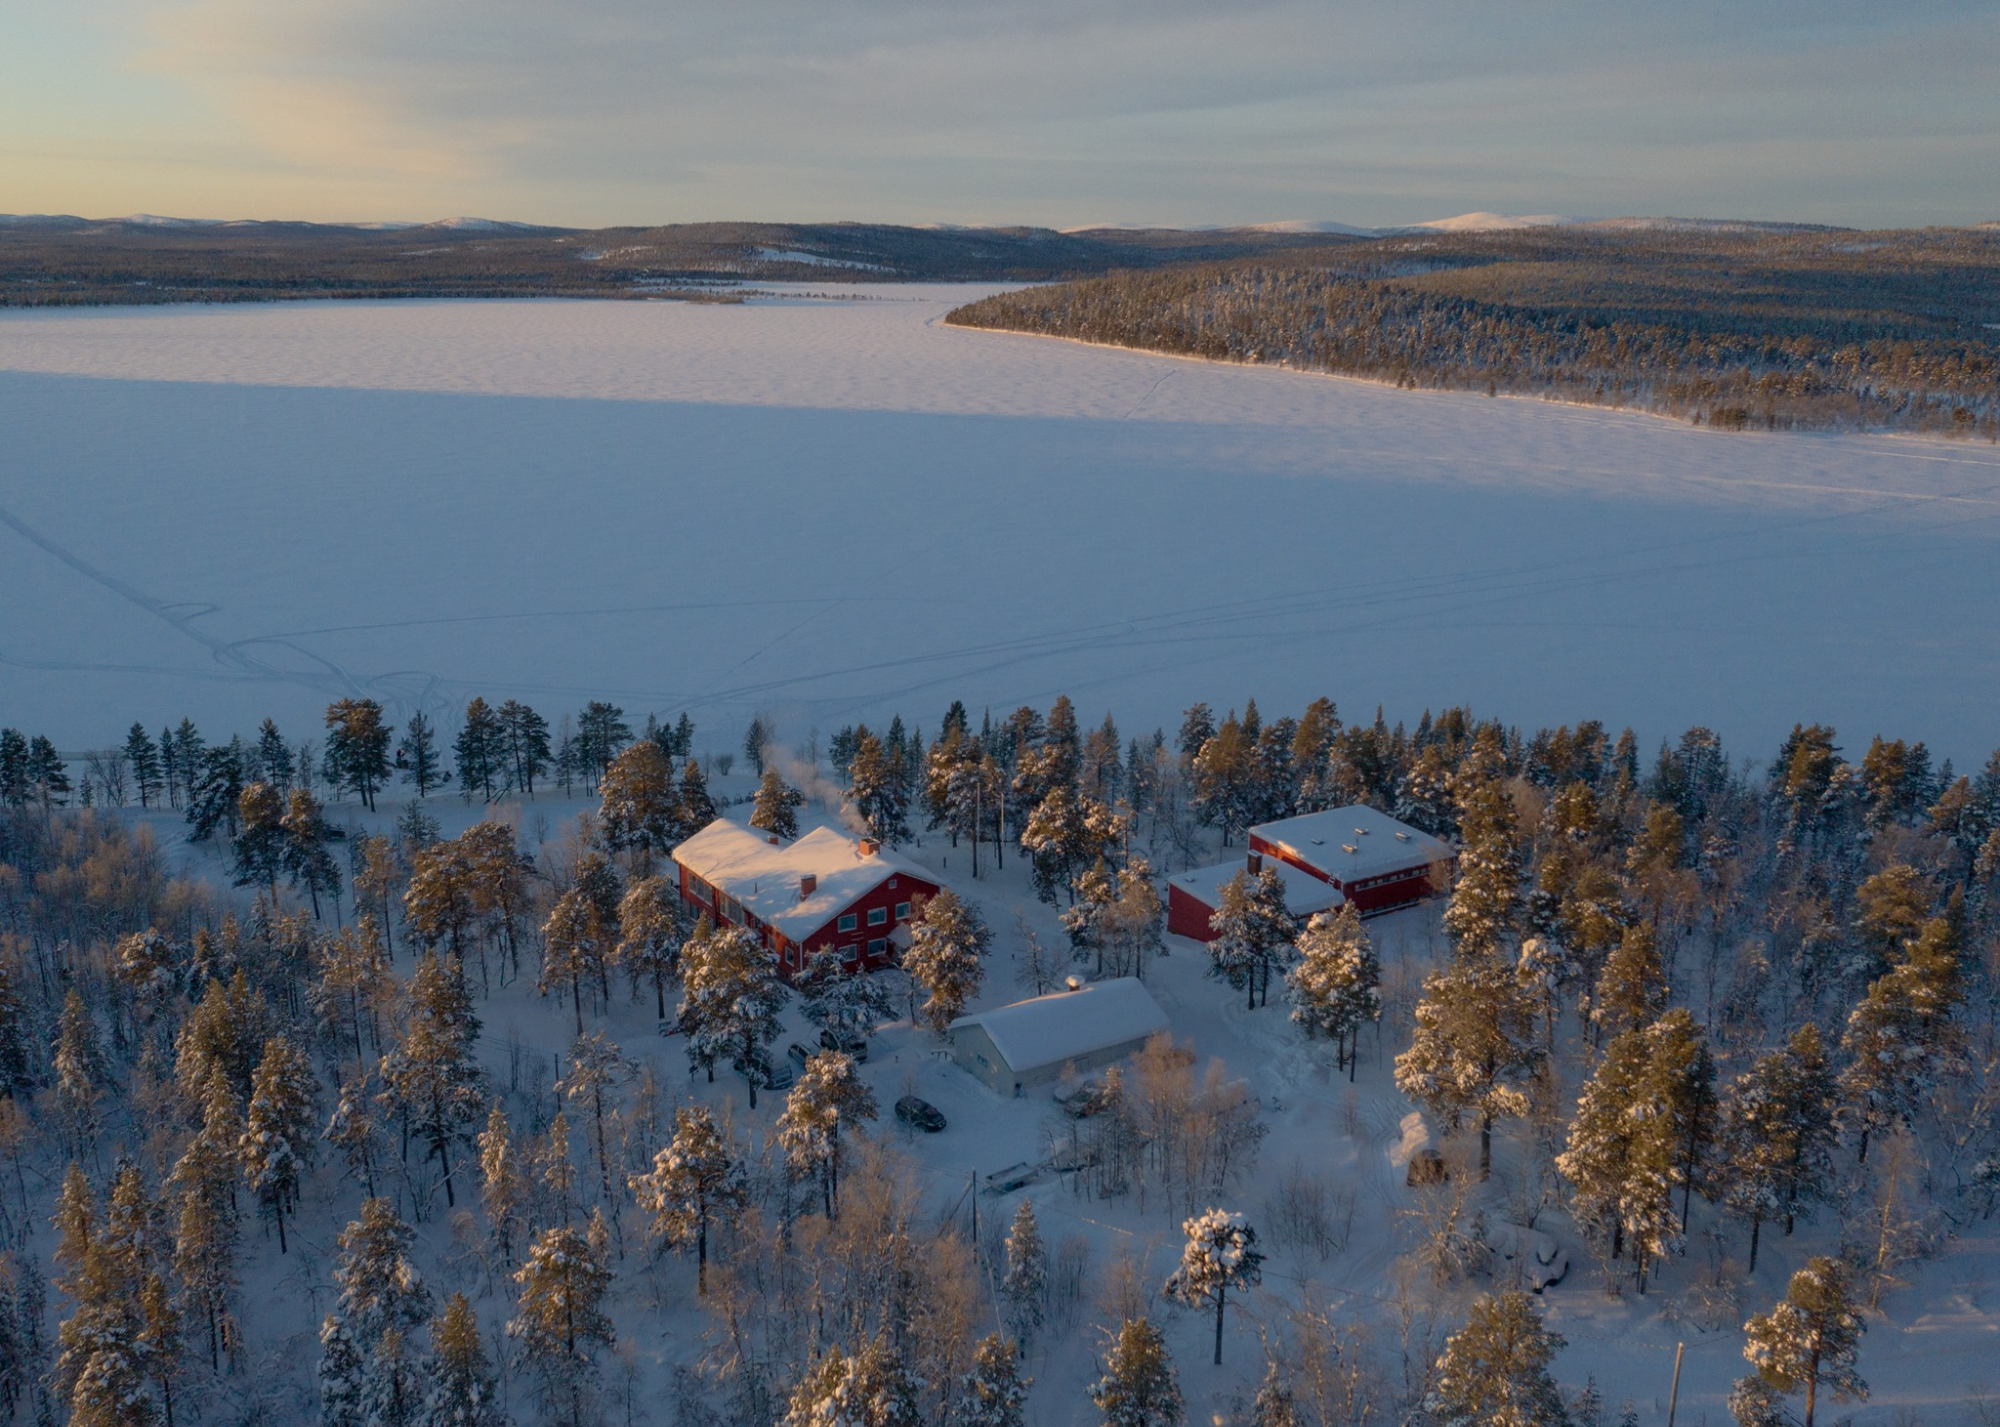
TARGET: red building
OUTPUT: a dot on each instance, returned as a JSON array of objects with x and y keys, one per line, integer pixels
[
  {"x": 1346, "y": 855},
  {"x": 825, "y": 891}
]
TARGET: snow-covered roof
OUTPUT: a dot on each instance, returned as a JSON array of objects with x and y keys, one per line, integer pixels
[
  {"x": 1069, "y": 1025},
  {"x": 1353, "y": 843},
  {"x": 1304, "y": 893},
  {"x": 740, "y": 860}
]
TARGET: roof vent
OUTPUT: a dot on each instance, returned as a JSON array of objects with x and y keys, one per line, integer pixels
[
  {"x": 1256, "y": 862},
  {"x": 808, "y": 884},
  {"x": 1319, "y": 842},
  {"x": 1402, "y": 837},
  {"x": 1361, "y": 832},
  {"x": 1349, "y": 848}
]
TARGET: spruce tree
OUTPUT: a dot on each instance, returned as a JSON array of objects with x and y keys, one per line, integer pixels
[
  {"x": 948, "y": 943},
  {"x": 730, "y": 997},
  {"x": 272, "y": 762},
  {"x": 1486, "y": 902},
  {"x": 418, "y": 755},
  {"x": 777, "y": 808},
  {"x": 1253, "y": 931},
  {"x": 1474, "y": 1044},
  {"x": 559, "y": 1317},
  {"x": 357, "y": 748},
  {"x": 995, "y": 1394},
  {"x": 277, "y": 1142},
  {"x": 641, "y": 807},
  {"x": 651, "y": 930},
  {"x": 696, "y": 808},
  {"x": 339, "y": 1375},
  {"x": 379, "y": 1285},
  {"x": 392, "y": 1384},
  {"x": 478, "y": 751},
  {"x": 596, "y": 1071},
  {"x": 142, "y": 756},
  {"x": 1026, "y": 1284},
  {"x": 1776, "y": 1134},
  {"x": 1139, "y": 1387},
  {"x": 578, "y": 947},
  {"x": 525, "y": 741},
  {"x": 504, "y": 1189},
  {"x": 1495, "y": 1370},
  {"x": 695, "y": 1179},
  {"x": 1632, "y": 990},
  {"x": 464, "y": 1389}
]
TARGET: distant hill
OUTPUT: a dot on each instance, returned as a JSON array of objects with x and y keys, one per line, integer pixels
[{"x": 50, "y": 260}]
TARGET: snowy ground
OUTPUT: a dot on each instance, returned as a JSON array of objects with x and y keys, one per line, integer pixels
[
  {"x": 830, "y": 509},
  {"x": 1924, "y": 1355}
]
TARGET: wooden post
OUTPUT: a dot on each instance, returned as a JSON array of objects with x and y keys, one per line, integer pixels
[{"x": 1674, "y": 1397}]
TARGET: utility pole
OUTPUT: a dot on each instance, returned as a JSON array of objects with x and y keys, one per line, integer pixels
[{"x": 1674, "y": 1397}]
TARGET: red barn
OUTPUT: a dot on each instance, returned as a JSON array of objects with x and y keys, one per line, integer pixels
[
  {"x": 827, "y": 891},
  {"x": 1352, "y": 854}
]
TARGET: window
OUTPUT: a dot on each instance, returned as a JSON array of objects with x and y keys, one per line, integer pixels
[
  {"x": 702, "y": 889},
  {"x": 879, "y": 946},
  {"x": 850, "y": 952},
  {"x": 902, "y": 911},
  {"x": 846, "y": 923},
  {"x": 730, "y": 908},
  {"x": 877, "y": 916}
]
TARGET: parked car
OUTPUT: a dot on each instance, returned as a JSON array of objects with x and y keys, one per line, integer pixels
[
  {"x": 920, "y": 1114},
  {"x": 851, "y": 1044},
  {"x": 1082, "y": 1101},
  {"x": 769, "y": 1074},
  {"x": 798, "y": 1055}
]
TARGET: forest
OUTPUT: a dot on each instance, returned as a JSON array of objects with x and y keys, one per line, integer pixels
[
  {"x": 1680, "y": 1004},
  {"x": 1735, "y": 327}
]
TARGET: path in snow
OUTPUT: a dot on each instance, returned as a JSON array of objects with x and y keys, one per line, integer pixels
[{"x": 837, "y": 509}]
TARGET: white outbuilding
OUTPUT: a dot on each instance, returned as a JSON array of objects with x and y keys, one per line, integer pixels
[{"x": 1040, "y": 1040}]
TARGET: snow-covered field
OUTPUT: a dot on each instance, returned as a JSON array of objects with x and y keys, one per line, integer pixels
[{"x": 829, "y": 509}]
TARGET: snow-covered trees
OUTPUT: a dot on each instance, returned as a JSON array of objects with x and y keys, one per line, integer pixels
[
  {"x": 1776, "y": 1134},
  {"x": 278, "y": 1142},
  {"x": 1335, "y": 989},
  {"x": 869, "y": 1389},
  {"x": 559, "y": 1317},
  {"x": 994, "y": 1391},
  {"x": 464, "y": 1391},
  {"x": 579, "y": 943},
  {"x": 730, "y": 996},
  {"x": 1494, "y": 1371},
  {"x": 651, "y": 928},
  {"x": 845, "y": 1001},
  {"x": 948, "y": 938},
  {"x": 357, "y": 747},
  {"x": 1139, "y": 1387},
  {"x": 1253, "y": 932},
  {"x": 776, "y": 810},
  {"x": 431, "y": 1075},
  {"x": 1026, "y": 1282},
  {"x": 879, "y": 789},
  {"x": 1897, "y": 1038},
  {"x": 1622, "y": 1152},
  {"x": 1474, "y": 1041},
  {"x": 642, "y": 807},
  {"x": 828, "y": 1096},
  {"x": 695, "y": 1179},
  {"x": 1487, "y": 900},
  {"x": 1220, "y": 1254},
  {"x": 1808, "y": 1341}
]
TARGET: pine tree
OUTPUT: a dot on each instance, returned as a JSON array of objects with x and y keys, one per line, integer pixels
[
  {"x": 504, "y": 1190},
  {"x": 651, "y": 929},
  {"x": 1681, "y": 1076},
  {"x": 730, "y": 997},
  {"x": 1275, "y": 1405},
  {"x": 1896, "y": 1038},
  {"x": 1475, "y": 1039},
  {"x": 948, "y": 942},
  {"x": 1809, "y": 1340},
  {"x": 1632, "y": 990},
  {"x": 1026, "y": 1283},
  {"x": 695, "y": 1179},
  {"x": 1139, "y": 1387},
  {"x": 560, "y": 1320},
  {"x": 432, "y": 1075},
  {"x": 1335, "y": 989},
  {"x": 1486, "y": 902},
  {"x": 1621, "y": 1154},
  {"x": 392, "y": 1384},
  {"x": 351, "y": 1130},
  {"x": 142, "y": 755},
  {"x": 641, "y": 808},
  {"x": 1495, "y": 1371},
  {"x": 47, "y": 775},
  {"x": 1777, "y": 1134},
  {"x": 995, "y": 1393},
  {"x": 80, "y": 1074},
  {"x": 226, "y": 1030},
  {"x": 215, "y": 791},
  {"x": 874, "y": 790},
  {"x": 339, "y": 1375},
  {"x": 304, "y": 854},
  {"x": 524, "y": 744},
  {"x": 478, "y": 750},
  {"x": 205, "y": 1234},
  {"x": 418, "y": 757},
  {"x": 260, "y": 844},
  {"x": 826, "y": 1097},
  {"x": 464, "y": 1390},
  {"x": 357, "y": 748},
  {"x": 596, "y": 1070},
  {"x": 380, "y": 1287},
  {"x": 277, "y": 1142},
  {"x": 697, "y": 809},
  {"x": 601, "y": 731},
  {"x": 777, "y": 807},
  {"x": 843, "y": 999},
  {"x": 1253, "y": 931},
  {"x": 1220, "y": 1254},
  {"x": 17, "y": 1064}
]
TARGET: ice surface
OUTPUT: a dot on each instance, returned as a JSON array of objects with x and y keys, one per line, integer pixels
[{"x": 835, "y": 509}]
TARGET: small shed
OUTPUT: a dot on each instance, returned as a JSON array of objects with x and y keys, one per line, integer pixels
[{"x": 1038, "y": 1041}]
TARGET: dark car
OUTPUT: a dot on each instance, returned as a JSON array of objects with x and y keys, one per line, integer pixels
[
  {"x": 920, "y": 1114},
  {"x": 768, "y": 1073},
  {"x": 851, "y": 1044},
  {"x": 798, "y": 1055}
]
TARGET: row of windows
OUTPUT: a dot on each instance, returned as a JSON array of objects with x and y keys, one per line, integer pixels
[{"x": 877, "y": 916}]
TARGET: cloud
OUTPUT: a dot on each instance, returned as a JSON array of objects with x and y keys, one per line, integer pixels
[{"x": 1062, "y": 110}]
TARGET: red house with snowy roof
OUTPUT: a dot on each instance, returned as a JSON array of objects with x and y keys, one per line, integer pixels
[
  {"x": 825, "y": 891},
  {"x": 1352, "y": 854}
]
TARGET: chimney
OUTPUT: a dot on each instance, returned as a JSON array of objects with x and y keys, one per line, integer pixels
[
  {"x": 1256, "y": 863},
  {"x": 1074, "y": 983},
  {"x": 808, "y": 884},
  {"x": 772, "y": 839},
  {"x": 870, "y": 846}
]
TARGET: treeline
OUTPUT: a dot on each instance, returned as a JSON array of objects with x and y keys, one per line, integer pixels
[{"x": 1734, "y": 329}]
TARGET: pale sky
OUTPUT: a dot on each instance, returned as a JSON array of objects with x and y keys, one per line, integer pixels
[{"x": 1056, "y": 112}]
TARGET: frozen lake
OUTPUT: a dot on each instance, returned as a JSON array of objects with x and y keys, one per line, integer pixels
[{"x": 837, "y": 509}]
